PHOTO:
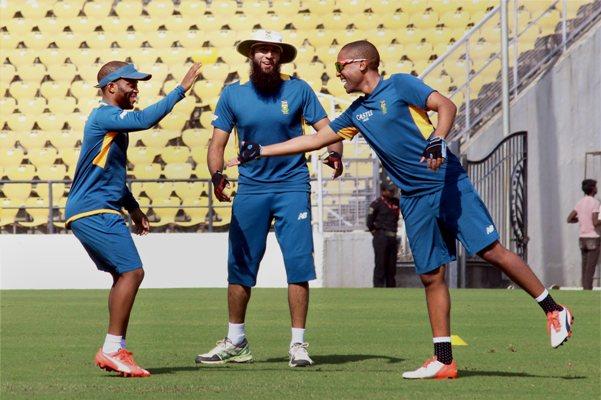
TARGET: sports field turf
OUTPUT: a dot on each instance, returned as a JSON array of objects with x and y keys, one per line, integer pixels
[{"x": 361, "y": 340}]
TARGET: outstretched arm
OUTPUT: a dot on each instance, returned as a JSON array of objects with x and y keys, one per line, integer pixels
[{"x": 573, "y": 217}]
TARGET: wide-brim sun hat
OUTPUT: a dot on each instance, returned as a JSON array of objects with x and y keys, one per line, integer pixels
[{"x": 268, "y": 37}]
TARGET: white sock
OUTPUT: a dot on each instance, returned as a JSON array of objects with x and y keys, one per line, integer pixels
[
  {"x": 123, "y": 343},
  {"x": 298, "y": 336},
  {"x": 441, "y": 339},
  {"x": 112, "y": 343},
  {"x": 236, "y": 333},
  {"x": 542, "y": 296}
]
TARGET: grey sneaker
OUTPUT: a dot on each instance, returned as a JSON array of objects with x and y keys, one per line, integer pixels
[
  {"x": 226, "y": 352},
  {"x": 299, "y": 357}
]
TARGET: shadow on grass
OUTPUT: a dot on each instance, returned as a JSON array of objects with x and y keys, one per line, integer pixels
[
  {"x": 333, "y": 359},
  {"x": 471, "y": 373},
  {"x": 172, "y": 370}
]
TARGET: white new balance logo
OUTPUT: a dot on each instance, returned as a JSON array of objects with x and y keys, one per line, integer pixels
[
  {"x": 490, "y": 229},
  {"x": 302, "y": 215}
]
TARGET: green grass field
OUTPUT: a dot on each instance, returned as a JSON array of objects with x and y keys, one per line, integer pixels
[{"x": 361, "y": 340}]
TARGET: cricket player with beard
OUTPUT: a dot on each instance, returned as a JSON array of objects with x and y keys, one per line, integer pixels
[{"x": 268, "y": 108}]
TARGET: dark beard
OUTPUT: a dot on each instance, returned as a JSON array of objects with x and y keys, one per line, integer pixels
[{"x": 267, "y": 84}]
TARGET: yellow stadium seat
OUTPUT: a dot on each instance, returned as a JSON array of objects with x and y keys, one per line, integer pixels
[
  {"x": 8, "y": 211},
  {"x": 192, "y": 7},
  {"x": 207, "y": 89},
  {"x": 97, "y": 10},
  {"x": 128, "y": 9},
  {"x": 146, "y": 23},
  {"x": 33, "y": 106},
  {"x": 175, "y": 56},
  {"x": 43, "y": 190},
  {"x": 199, "y": 153},
  {"x": 20, "y": 57},
  {"x": 50, "y": 89},
  {"x": 62, "y": 72},
  {"x": 472, "y": 6},
  {"x": 144, "y": 203},
  {"x": 21, "y": 90},
  {"x": 549, "y": 21},
  {"x": 335, "y": 88},
  {"x": 158, "y": 190},
  {"x": 231, "y": 173},
  {"x": 17, "y": 192},
  {"x": 24, "y": 172},
  {"x": 37, "y": 208},
  {"x": 35, "y": 10},
  {"x": 64, "y": 139},
  {"x": 70, "y": 157},
  {"x": 165, "y": 209},
  {"x": 426, "y": 20},
  {"x": 62, "y": 105},
  {"x": 334, "y": 22},
  {"x": 141, "y": 155},
  {"x": 19, "y": 122},
  {"x": 156, "y": 138},
  {"x": 286, "y": 8},
  {"x": 255, "y": 8},
  {"x": 11, "y": 157},
  {"x": 174, "y": 122},
  {"x": 132, "y": 40},
  {"x": 201, "y": 171},
  {"x": 136, "y": 188},
  {"x": 223, "y": 216},
  {"x": 32, "y": 139},
  {"x": 188, "y": 191},
  {"x": 441, "y": 83},
  {"x": 88, "y": 72},
  {"x": 178, "y": 171},
  {"x": 147, "y": 171},
  {"x": 82, "y": 25},
  {"x": 215, "y": 72},
  {"x": 418, "y": 51},
  {"x": 7, "y": 73},
  {"x": 414, "y": 6},
  {"x": 523, "y": 16},
  {"x": 83, "y": 89},
  {"x": 159, "y": 71},
  {"x": 194, "y": 138},
  {"x": 272, "y": 22},
  {"x": 457, "y": 19},
  {"x": 67, "y": 8},
  {"x": 445, "y": 6},
  {"x": 7, "y": 106},
  {"x": 51, "y": 121},
  {"x": 42, "y": 157},
  {"x": 186, "y": 106},
  {"x": 205, "y": 119},
  {"x": 7, "y": 139},
  {"x": 32, "y": 73},
  {"x": 441, "y": 36},
  {"x": 54, "y": 172},
  {"x": 175, "y": 154},
  {"x": 76, "y": 120},
  {"x": 223, "y": 8},
  {"x": 320, "y": 7},
  {"x": 196, "y": 210},
  {"x": 50, "y": 27}
]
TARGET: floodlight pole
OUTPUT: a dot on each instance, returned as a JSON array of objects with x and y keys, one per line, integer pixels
[{"x": 505, "y": 66}]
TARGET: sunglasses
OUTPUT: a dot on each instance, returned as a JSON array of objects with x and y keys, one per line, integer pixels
[{"x": 340, "y": 65}]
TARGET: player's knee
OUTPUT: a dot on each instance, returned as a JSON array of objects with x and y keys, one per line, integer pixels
[
  {"x": 432, "y": 279},
  {"x": 137, "y": 275}
]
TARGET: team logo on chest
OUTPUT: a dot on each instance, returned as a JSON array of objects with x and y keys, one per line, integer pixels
[
  {"x": 383, "y": 107},
  {"x": 285, "y": 109}
]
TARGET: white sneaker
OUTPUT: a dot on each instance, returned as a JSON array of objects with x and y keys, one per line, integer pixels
[
  {"x": 559, "y": 326},
  {"x": 226, "y": 352},
  {"x": 433, "y": 369},
  {"x": 299, "y": 357}
]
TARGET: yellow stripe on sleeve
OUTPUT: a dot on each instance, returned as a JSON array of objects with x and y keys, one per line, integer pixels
[
  {"x": 348, "y": 133},
  {"x": 421, "y": 120},
  {"x": 100, "y": 159}
]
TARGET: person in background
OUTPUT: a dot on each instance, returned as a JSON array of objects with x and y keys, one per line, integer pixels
[
  {"x": 586, "y": 214},
  {"x": 382, "y": 222}
]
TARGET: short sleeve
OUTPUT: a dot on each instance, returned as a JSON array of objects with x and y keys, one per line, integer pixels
[
  {"x": 412, "y": 90},
  {"x": 343, "y": 125},
  {"x": 313, "y": 111},
  {"x": 223, "y": 117}
]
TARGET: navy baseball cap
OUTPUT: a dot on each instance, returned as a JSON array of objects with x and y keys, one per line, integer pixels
[{"x": 125, "y": 72}]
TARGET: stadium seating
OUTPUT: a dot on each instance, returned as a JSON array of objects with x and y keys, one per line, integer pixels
[{"x": 48, "y": 80}]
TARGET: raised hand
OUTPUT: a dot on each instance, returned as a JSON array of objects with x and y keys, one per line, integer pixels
[{"x": 191, "y": 76}]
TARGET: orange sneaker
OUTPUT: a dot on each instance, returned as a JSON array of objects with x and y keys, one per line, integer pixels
[
  {"x": 559, "y": 326},
  {"x": 122, "y": 362},
  {"x": 433, "y": 369}
]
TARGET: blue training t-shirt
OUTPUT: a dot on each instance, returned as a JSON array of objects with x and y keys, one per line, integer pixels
[
  {"x": 393, "y": 120},
  {"x": 99, "y": 185},
  {"x": 269, "y": 120}
]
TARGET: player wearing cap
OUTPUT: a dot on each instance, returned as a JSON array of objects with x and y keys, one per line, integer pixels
[
  {"x": 99, "y": 192},
  {"x": 438, "y": 201},
  {"x": 269, "y": 107}
]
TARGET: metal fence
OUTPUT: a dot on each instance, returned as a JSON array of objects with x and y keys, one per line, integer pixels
[
  {"x": 538, "y": 33},
  {"x": 338, "y": 205}
]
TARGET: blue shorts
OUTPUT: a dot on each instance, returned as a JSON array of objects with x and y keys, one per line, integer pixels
[
  {"x": 108, "y": 242},
  {"x": 433, "y": 221},
  {"x": 252, "y": 215}
]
